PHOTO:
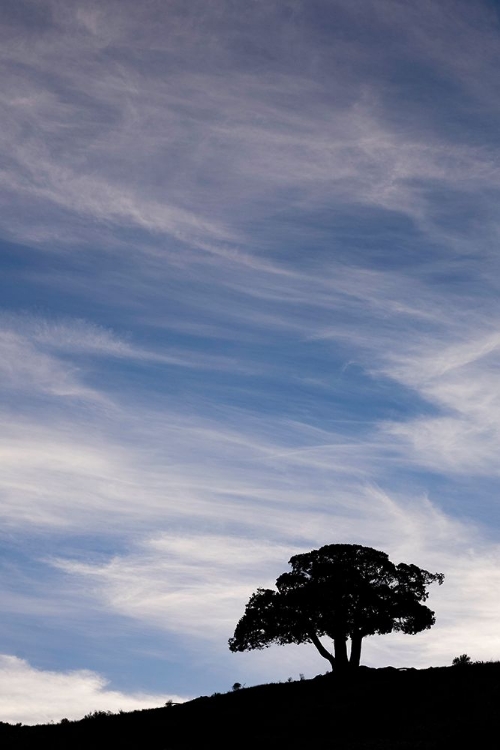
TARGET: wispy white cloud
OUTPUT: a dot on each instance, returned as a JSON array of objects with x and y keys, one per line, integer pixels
[
  {"x": 179, "y": 467},
  {"x": 42, "y": 356},
  {"x": 460, "y": 379},
  {"x": 192, "y": 586},
  {"x": 25, "y": 368},
  {"x": 207, "y": 462},
  {"x": 194, "y": 153}
]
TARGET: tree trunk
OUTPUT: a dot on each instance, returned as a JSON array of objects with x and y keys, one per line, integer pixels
[
  {"x": 355, "y": 650},
  {"x": 323, "y": 651},
  {"x": 340, "y": 646}
]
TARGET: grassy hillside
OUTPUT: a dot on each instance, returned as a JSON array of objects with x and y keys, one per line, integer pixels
[{"x": 445, "y": 707}]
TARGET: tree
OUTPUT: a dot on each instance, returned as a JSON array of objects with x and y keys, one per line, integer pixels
[{"x": 342, "y": 591}]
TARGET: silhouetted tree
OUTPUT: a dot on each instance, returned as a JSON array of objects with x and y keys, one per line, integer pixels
[{"x": 342, "y": 591}]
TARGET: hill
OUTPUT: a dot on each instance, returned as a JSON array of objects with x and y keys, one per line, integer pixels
[{"x": 378, "y": 709}]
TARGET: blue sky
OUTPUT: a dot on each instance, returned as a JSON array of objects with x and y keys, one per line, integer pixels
[{"x": 250, "y": 306}]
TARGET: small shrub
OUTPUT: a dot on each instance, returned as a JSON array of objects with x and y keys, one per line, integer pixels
[
  {"x": 463, "y": 660},
  {"x": 237, "y": 686},
  {"x": 98, "y": 714}
]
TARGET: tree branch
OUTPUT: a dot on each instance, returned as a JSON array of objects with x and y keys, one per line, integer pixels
[{"x": 322, "y": 650}]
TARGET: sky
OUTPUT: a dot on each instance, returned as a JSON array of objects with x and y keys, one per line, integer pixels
[{"x": 249, "y": 287}]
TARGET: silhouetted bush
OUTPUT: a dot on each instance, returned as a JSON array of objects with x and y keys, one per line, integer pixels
[
  {"x": 462, "y": 661},
  {"x": 98, "y": 715}
]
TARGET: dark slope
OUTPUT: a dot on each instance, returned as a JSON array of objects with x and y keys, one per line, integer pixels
[{"x": 446, "y": 707}]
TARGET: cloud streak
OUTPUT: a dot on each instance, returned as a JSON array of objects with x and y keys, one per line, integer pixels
[{"x": 236, "y": 136}]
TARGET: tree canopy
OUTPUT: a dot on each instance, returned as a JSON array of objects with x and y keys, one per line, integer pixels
[{"x": 341, "y": 591}]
